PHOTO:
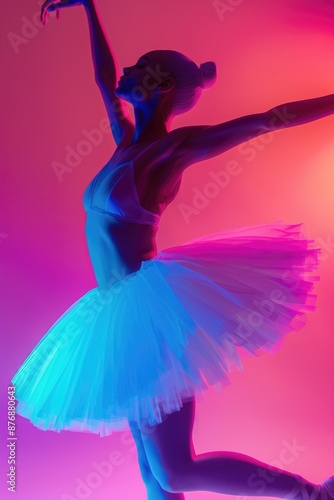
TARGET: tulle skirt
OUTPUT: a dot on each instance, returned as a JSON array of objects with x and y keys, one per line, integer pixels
[{"x": 167, "y": 332}]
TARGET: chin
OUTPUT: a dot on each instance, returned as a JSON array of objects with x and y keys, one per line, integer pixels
[{"x": 120, "y": 92}]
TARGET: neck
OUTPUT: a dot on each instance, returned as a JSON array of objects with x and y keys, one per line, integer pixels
[{"x": 150, "y": 125}]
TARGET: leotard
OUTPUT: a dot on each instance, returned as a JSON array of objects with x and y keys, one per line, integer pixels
[{"x": 113, "y": 192}]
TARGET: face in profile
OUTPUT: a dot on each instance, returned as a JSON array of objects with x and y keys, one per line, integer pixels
[{"x": 145, "y": 79}]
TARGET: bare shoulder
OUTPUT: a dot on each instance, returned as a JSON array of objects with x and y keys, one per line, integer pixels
[
  {"x": 166, "y": 153},
  {"x": 157, "y": 168},
  {"x": 169, "y": 158},
  {"x": 177, "y": 137},
  {"x": 171, "y": 147},
  {"x": 152, "y": 156},
  {"x": 179, "y": 143}
]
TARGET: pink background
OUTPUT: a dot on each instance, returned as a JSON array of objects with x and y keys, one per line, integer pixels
[{"x": 267, "y": 53}]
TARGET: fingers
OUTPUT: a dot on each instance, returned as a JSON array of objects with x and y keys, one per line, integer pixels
[
  {"x": 48, "y": 6},
  {"x": 44, "y": 12}
]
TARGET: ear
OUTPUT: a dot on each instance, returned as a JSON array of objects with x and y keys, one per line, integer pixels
[{"x": 166, "y": 85}]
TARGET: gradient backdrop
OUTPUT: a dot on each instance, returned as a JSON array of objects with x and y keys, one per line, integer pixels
[{"x": 280, "y": 409}]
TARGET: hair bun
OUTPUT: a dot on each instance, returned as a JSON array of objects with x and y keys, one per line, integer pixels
[{"x": 209, "y": 74}]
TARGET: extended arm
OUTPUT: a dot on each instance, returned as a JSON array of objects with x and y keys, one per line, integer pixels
[
  {"x": 205, "y": 141},
  {"x": 106, "y": 77}
]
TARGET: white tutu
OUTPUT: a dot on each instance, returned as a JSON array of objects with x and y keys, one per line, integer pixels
[{"x": 137, "y": 350}]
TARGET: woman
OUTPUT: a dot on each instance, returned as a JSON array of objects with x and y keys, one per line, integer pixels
[{"x": 162, "y": 327}]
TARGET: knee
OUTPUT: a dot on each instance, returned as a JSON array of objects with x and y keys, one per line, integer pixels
[
  {"x": 170, "y": 483},
  {"x": 173, "y": 481}
]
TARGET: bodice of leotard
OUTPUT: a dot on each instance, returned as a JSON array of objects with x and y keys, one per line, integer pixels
[{"x": 113, "y": 192}]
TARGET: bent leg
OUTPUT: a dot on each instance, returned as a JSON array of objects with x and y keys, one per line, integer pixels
[
  {"x": 170, "y": 453},
  {"x": 153, "y": 487},
  {"x": 238, "y": 474}
]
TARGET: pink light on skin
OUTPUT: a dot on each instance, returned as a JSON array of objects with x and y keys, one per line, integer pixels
[{"x": 278, "y": 402}]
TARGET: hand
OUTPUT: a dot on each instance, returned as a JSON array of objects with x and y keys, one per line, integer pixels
[{"x": 51, "y": 5}]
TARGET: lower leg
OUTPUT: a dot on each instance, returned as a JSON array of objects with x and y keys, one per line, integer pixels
[{"x": 233, "y": 473}]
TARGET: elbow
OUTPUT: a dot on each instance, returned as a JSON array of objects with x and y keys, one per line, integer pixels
[
  {"x": 272, "y": 121},
  {"x": 279, "y": 117}
]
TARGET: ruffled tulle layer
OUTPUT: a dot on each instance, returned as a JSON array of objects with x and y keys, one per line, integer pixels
[{"x": 170, "y": 330}]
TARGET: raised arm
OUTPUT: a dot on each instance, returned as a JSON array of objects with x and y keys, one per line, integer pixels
[
  {"x": 201, "y": 142},
  {"x": 106, "y": 72},
  {"x": 107, "y": 76}
]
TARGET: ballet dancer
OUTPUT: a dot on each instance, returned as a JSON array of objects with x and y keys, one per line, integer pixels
[{"x": 161, "y": 327}]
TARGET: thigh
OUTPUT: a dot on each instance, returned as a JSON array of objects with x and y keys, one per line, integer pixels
[
  {"x": 144, "y": 465},
  {"x": 169, "y": 445}
]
